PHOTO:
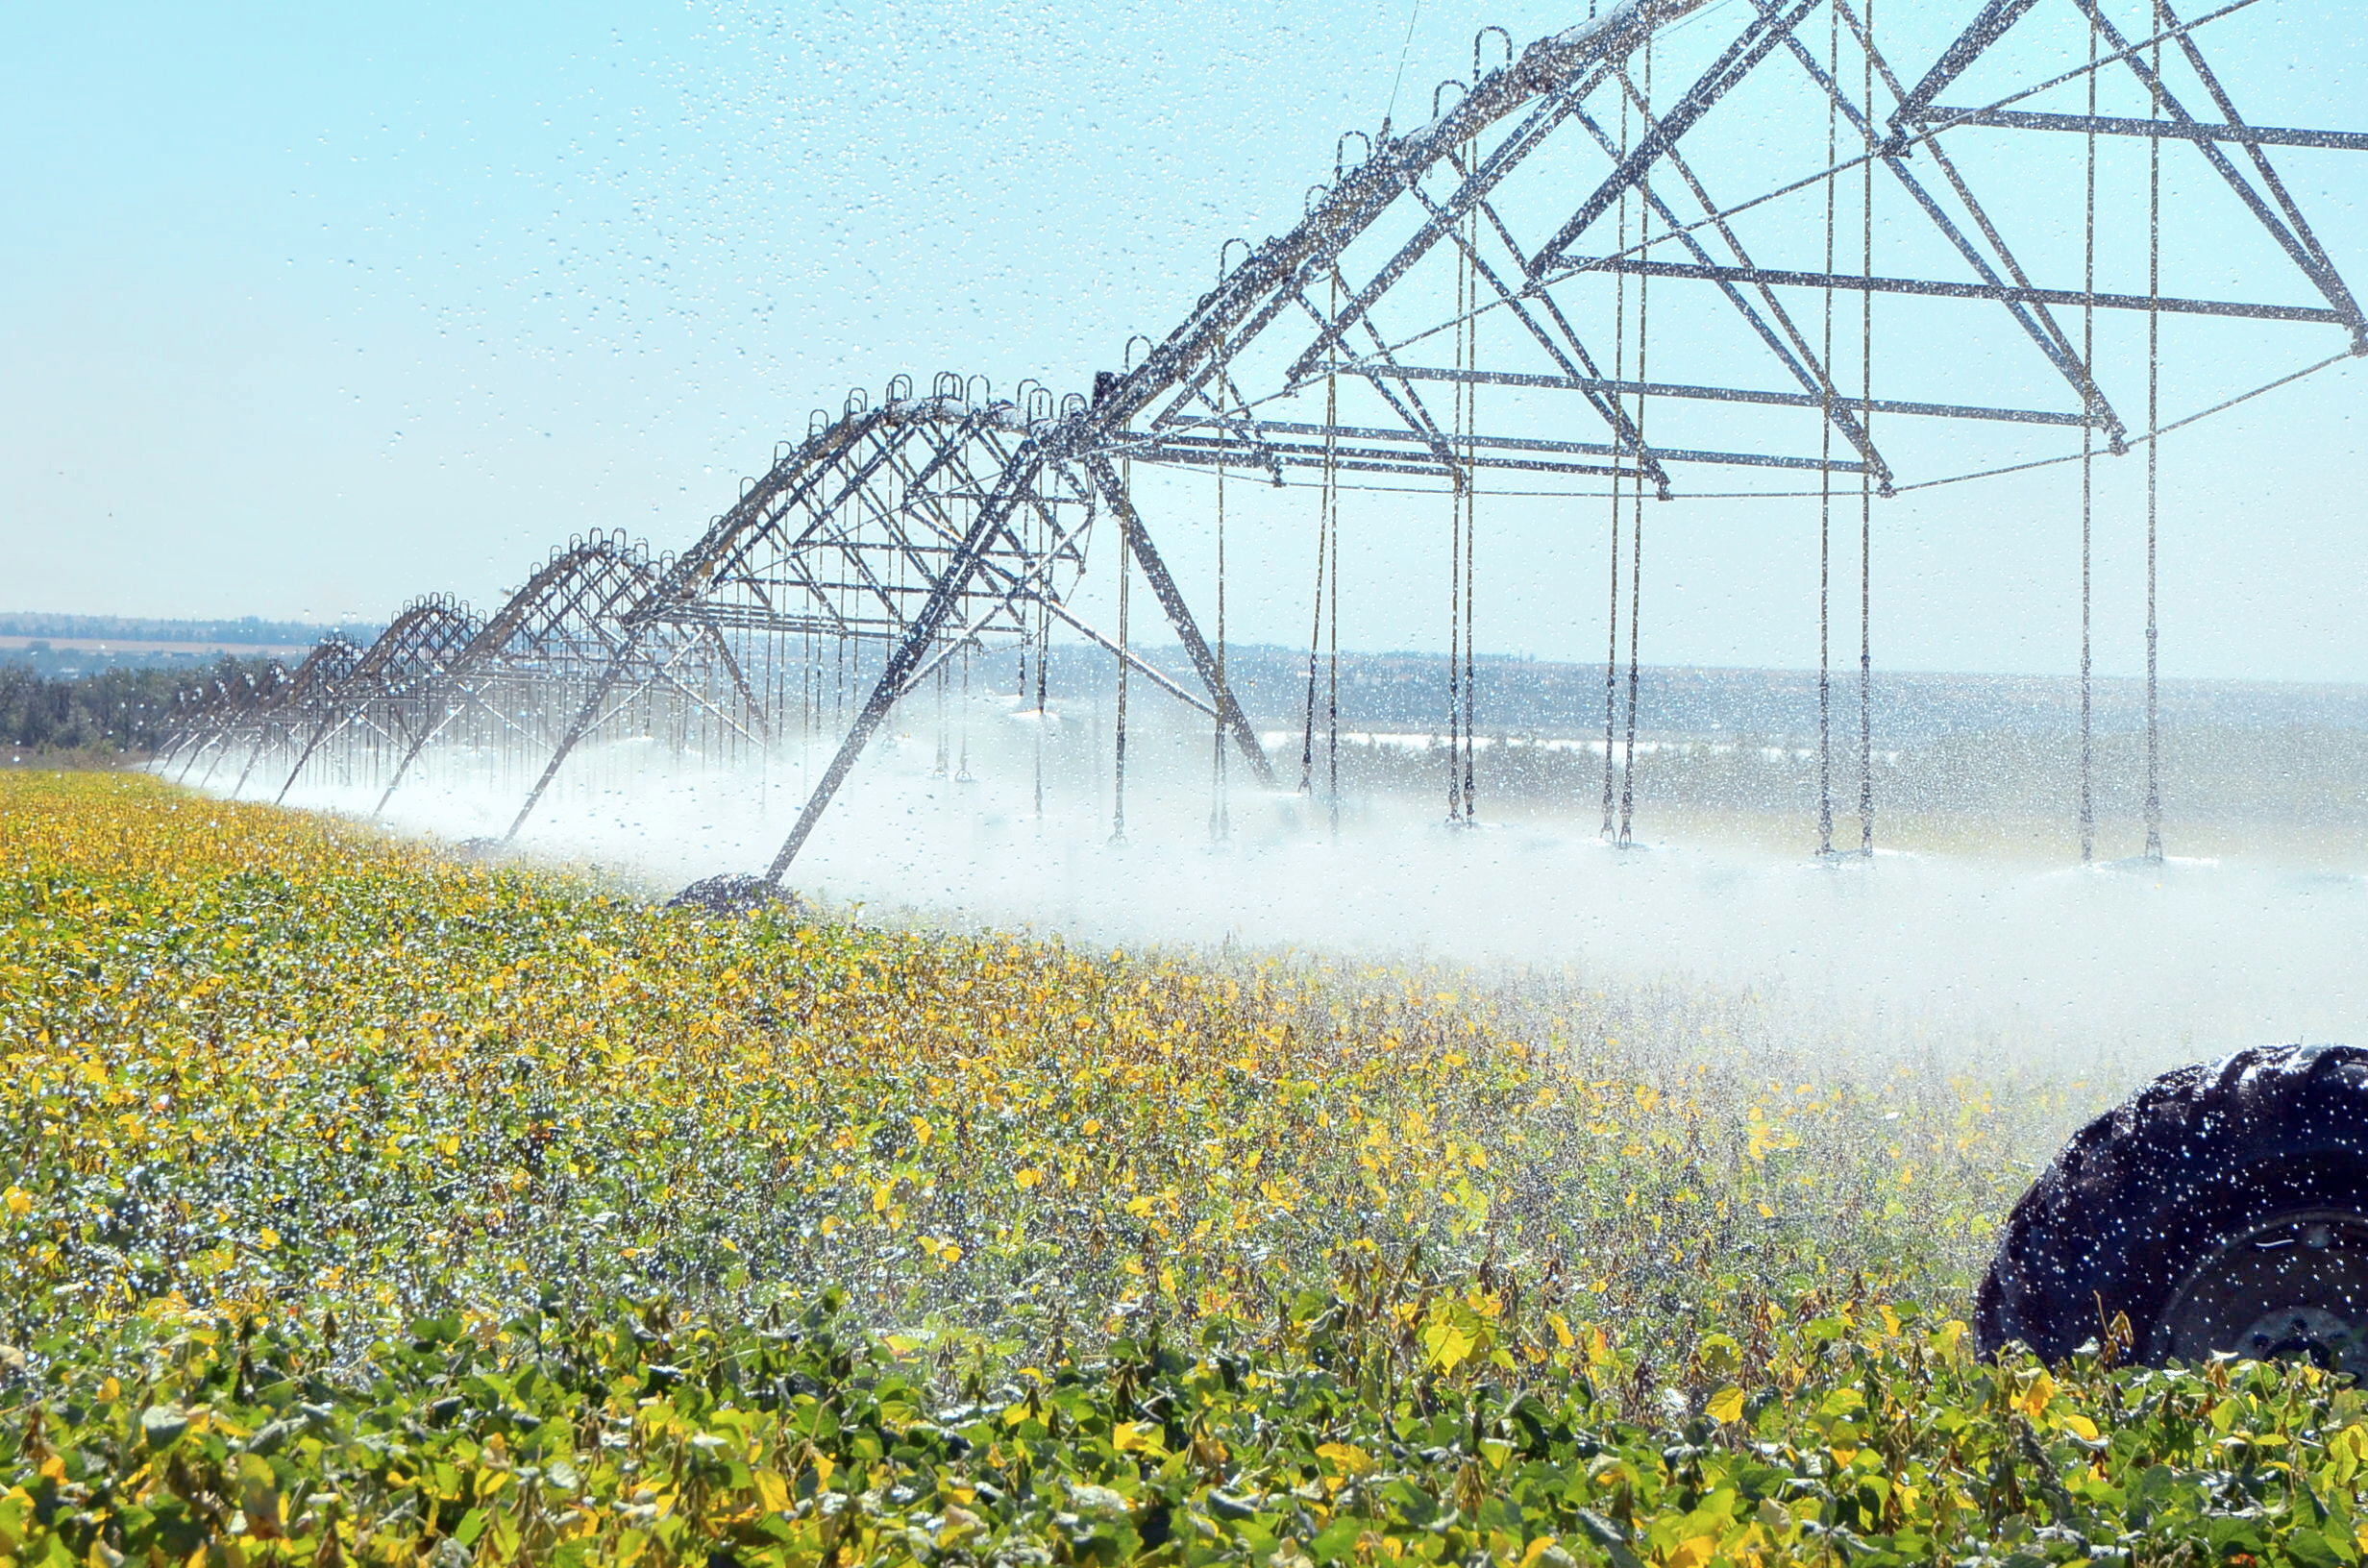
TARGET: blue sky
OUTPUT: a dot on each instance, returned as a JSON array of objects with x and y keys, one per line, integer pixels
[{"x": 307, "y": 309}]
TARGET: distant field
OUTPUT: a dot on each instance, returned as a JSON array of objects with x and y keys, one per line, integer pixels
[{"x": 366, "y": 1203}]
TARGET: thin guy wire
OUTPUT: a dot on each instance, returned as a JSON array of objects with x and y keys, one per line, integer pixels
[
  {"x": 1405, "y": 49},
  {"x": 2341, "y": 358}
]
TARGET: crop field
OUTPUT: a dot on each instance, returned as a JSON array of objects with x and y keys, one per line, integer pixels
[{"x": 366, "y": 1204}]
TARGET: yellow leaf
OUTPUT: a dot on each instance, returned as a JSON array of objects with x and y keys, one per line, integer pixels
[
  {"x": 1345, "y": 1457},
  {"x": 1030, "y": 1177},
  {"x": 2035, "y": 1399},
  {"x": 1694, "y": 1553},
  {"x": 1562, "y": 1333},
  {"x": 1726, "y": 1406},
  {"x": 773, "y": 1491},
  {"x": 1540, "y": 1547},
  {"x": 1136, "y": 1437},
  {"x": 1448, "y": 1344},
  {"x": 2080, "y": 1427},
  {"x": 20, "y": 1202}
]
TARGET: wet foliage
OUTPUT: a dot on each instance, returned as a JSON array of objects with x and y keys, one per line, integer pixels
[
  {"x": 363, "y": 1202},
  {"x": 1373, "y": 1423}
]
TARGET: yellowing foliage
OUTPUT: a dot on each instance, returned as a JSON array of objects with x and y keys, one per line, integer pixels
[
  {"x": 250, "y": 1055},
  {"x": 363, "y": 1205}
]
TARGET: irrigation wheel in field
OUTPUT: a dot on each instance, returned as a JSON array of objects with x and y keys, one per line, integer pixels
[
  {"x": 732, "y": 894},
  {"x": 2221, "y": 1208}
]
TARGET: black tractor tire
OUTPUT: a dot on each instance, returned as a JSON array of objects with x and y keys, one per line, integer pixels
[
  {"x": 732, "y": 894},
  {"x": 2223, "y": 1207}
]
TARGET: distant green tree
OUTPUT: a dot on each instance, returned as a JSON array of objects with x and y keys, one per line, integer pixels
[{"x": 121, "y": 710}]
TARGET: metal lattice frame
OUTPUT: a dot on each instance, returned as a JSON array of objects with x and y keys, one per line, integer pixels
[
  {"x": 378, "y": 706},
  {"x": 919, "y": 526},
  {"x": 305, "y": 701},
  {"x": 1327, "y": 348},
  {"x": 225, "y": 710},
  {"x": 564, "y": 644},
  {"x": 1455, "y": 310}
]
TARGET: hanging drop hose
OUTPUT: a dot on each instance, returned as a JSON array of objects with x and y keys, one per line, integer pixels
[
  {"x": 1044, "y": 655},
  {"x": 1471, "y": 503},
  {"x": 2088, "y": 451},
  {"x": 1611, "y": 650},
  {"x": 1636, "y": 497},
  {"x": 1866, "y": 477},
  {"x": 1332, "y": 699},
  {"x": 1455, "y": 584},
  {"x": 1328, "y": 567},
  {"x": 1825, "y": 459},
  {"x": 2154, "y": 456},
  {"x": 1315, "y": 630},
  {"x": 962, "y": 772},
  {"x": 1117, "y": 792},
  {"x": 1220, "y": 821}
]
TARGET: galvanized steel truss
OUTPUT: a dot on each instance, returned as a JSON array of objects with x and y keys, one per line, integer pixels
[{"x": 1493, "y": 250}]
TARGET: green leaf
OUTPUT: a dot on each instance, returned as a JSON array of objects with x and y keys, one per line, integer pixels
[{"x": 161, "y": 1426}]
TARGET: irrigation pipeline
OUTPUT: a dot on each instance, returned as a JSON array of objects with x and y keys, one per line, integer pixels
[{"x": 901, "y": 536}]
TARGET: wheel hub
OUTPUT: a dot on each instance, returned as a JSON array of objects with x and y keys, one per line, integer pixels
[{"x": 2292, "y": 1288}]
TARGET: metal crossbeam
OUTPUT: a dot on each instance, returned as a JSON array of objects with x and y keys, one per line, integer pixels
[
  {"x": 1936, "y": 290},
  {"x": 1708, "y": 394},
  {"x": 2112, "y": 125},
  {"x": 1986, "y": 28}
]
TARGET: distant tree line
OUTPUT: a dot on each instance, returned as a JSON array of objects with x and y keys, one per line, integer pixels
[
  {"x": 117, "y": 710},
  {"x": 246, "y": 628}
]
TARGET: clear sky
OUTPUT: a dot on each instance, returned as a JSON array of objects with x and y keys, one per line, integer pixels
[{"x": 305, "y": 309}]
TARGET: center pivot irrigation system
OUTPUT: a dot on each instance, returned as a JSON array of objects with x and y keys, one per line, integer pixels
[{"x": 1730, "y": 251}]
